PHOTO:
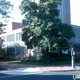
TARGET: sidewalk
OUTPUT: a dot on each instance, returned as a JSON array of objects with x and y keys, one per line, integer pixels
[
  {"x": 46, "y": 69},
  {"x": 34, "y": 68},
  {"x": 59, "y": 68}
]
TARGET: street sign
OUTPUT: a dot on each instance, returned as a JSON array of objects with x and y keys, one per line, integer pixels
[
  {"x": 76, "y": 76},
  {"x": 72, "y": 52}
]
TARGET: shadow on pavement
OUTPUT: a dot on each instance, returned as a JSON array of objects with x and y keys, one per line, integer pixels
[{"x": 36, "y": 77}]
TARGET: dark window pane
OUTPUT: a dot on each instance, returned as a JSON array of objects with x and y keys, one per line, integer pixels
[{"x": 18, "y": 36}]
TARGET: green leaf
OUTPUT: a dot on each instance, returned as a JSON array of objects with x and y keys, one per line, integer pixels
[{"x": 45, "y": 29}]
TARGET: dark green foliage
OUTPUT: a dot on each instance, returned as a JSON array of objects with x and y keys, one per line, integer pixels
[
  {"x": 44, "y": 28},
  {"x": 5, "y": 9}
]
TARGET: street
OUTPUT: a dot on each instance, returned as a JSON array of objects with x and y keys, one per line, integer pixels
[{"x": 38, "y": 76}]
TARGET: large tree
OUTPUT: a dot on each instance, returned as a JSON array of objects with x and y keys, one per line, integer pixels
[
  {"x": 5, "y": 11},
  {"x": 43, "y": 26}
]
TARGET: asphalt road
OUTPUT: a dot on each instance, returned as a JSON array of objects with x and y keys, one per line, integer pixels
[{"x": 38, "y": 76}]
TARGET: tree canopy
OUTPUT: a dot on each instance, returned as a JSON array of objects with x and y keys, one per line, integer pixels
[
  {"x": 5, "y": 11},
  {"x": 43, "y": 25}
]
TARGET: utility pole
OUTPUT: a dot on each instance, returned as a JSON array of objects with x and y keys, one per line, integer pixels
[{"x": 72, "y": 58}]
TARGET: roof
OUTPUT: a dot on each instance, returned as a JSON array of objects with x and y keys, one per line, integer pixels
[{"x": 16, "y": 25}]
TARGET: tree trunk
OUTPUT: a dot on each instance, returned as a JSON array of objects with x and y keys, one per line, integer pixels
[{"x": 48, "y": 56}]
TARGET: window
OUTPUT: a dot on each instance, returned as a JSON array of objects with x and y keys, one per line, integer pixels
[
  {"x": 18, "y": 36},
  {"x": 10, "y": 37}
]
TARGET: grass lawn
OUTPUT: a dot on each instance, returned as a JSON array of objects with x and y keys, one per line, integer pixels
[
  {"x": 43, "y": 64},
  {"x": 38, "y": 63}
]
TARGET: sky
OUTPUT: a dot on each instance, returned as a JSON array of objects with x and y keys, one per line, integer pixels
[
  {"x": 16, "y": 13},
  {"x": 75, "y": 11}
]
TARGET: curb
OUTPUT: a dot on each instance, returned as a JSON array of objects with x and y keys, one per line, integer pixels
[
  {"x": 59, "y": 70},
  {"x": 38, "y": 71}
]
